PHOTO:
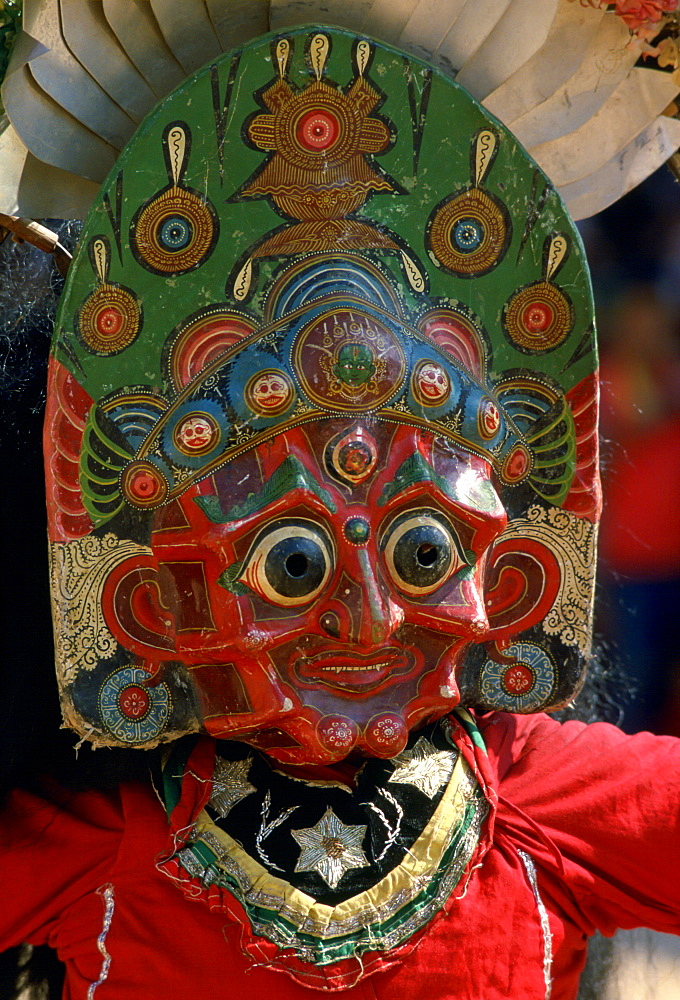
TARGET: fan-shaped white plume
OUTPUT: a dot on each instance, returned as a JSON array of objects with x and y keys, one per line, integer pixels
[{"x": 558, "y": 74}]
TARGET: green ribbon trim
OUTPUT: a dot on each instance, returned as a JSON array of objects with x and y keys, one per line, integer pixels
[
  {"x": 173, "y": 771},
  {"x": 470, "y": 727}
]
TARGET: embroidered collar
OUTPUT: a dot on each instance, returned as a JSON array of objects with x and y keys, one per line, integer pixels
[{"x": 325, "y": 875}]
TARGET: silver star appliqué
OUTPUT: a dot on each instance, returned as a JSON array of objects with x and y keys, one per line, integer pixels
[
  {"x": 330, "y": 848},
  {"x": 424, "y": 767},
  {"x": 230, "y": 784}
]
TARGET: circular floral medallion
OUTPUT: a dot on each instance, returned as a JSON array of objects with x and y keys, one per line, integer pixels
[
  {"x": 174, "y": 232},
  {"x": 144, "y": 485},
  {"x": 469, "y": 233},
  {"x": 538, "y": 317},
  {"x": 337, "y": 733},
  {"x": 518, "y": 679},
  {"x": 522, "y": 685},
  {"x": 130, "y": 711},
  {"x": 109, "y": 319},
  {"x": 386, "y": 735},
  {"x": 134, "y": 702}
]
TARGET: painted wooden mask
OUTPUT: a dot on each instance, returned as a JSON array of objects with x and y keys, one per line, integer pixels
[{"x": 321, "y": 429}]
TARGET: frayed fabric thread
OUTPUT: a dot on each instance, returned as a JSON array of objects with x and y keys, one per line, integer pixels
[
  {"x": 107, "y": 894},
  {"x": 530, "y": 869}
]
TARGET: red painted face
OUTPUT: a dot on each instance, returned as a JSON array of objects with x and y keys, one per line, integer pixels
[{"x": 317, "y": 615}]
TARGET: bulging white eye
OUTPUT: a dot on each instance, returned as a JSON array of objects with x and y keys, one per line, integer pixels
[
  {"x": 289, "y": 563},
  {"x": 422, "y": 551}
]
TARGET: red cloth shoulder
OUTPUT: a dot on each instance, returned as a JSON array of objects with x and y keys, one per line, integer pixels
[
  {"x": 610, "y": 805},
  {"x": 53, "y": 853}
]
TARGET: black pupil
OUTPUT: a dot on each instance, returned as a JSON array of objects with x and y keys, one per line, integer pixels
[
  {"x": 427, "y": 555},
  {"x": 297, "y": 564},
  {"x": 423, "y": 555}
]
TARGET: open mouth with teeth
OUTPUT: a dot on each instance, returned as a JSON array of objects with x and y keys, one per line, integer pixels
[{"x": 354, "y": 672}]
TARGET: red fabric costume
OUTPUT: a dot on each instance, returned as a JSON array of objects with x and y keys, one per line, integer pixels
[{"x": 592, "y": 808}]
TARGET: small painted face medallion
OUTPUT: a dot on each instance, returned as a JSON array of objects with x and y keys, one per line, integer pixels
[
  {"x": 196, "y": 435},
  {"x": 355, "y": 364},
  {"x": 431, "y": 383},
  {"x": 269, "y": 393},
  {"x": 489, "y": 418}
]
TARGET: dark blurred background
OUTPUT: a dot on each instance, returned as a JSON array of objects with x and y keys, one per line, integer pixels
[{"x": 634, "y": 252}]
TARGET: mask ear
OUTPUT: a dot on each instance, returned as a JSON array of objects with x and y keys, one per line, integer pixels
[
  {"x": 523, "y": 583},
  {"x": 135, "y": 613}
]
